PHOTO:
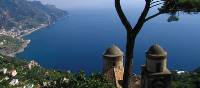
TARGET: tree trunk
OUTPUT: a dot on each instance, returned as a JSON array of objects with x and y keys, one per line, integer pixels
[
  {"x": 131, "y": 36},
  {"x": 129, "y": 59}
]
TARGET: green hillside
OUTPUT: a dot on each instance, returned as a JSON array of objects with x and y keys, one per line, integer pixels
[{"x": 41, "y": 77}]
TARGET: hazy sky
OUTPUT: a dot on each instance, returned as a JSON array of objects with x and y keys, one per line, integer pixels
[{"x": 86, "y": 4}]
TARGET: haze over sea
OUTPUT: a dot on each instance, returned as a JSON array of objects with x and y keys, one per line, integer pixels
[{"x": 78, "y": 42}]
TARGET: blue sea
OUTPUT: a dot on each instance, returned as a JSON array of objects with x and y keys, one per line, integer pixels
[{"x": 78, "y": 42}]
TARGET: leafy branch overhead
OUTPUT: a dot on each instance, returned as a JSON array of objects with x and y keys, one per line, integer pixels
[
  {"x": 175, "y": 6},
  {"x": 181, "y": 5}
]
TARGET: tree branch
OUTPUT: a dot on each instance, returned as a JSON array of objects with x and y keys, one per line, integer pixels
[
  {"x": 141, "y": 20},
  {"x": 153, "y": 16},
  {"x": 122, "y": 16}
]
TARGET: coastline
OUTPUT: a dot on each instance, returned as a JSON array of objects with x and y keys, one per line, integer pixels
[
  {"x": 26, "y": 33},
  {"x": 23, "y": 46},
  {"x": 29, "y": 31},
  {"x": 26, "y": 42}
]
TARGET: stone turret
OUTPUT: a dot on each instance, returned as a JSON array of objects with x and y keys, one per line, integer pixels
[
  {"x": 156, "y": 59},
  {"x": 113, "y": 67},
  {"x": 155, "y": 73}
]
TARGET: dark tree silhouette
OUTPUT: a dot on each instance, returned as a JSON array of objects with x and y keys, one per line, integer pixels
[
  {"x": 167, "y": 6},
  {"x": 131, "y": 37}
]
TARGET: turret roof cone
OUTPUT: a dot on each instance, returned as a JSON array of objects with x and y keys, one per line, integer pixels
[
  {"x": 156, "y": 50},
  {"x": 113, "y": 51}
]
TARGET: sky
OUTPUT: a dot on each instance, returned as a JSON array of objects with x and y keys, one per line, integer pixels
[{"x": 90, "y": 4}]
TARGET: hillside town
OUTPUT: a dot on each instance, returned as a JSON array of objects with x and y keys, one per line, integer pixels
[
  {"x": 12, "y": 42},
  {"x": 19, "y": 33},
  {"x": 18, "y": 73},
  {"x": 14, "y": 75}
]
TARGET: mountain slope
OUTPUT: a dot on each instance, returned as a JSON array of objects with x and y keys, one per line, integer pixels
[{"x": 22, "y": 14}]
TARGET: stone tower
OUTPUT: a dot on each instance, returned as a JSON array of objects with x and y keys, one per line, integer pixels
[
  {"x": 155, "y": 73},
  {"x": 113, "y": 67}
]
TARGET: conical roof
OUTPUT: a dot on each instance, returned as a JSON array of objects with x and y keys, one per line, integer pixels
[
  {"x": 156, "y": 50},
  {"x": 113, "y": 51}
]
